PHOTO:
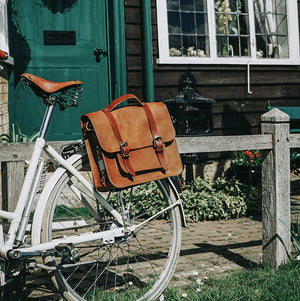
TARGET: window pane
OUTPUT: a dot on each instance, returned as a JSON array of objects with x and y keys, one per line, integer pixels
[
  {"x": 244, "y": 25},
  {"x": 281, "y": 5},
  {"x": 222, "y": 46},
  {"x": 271, "y": 28},
  {"x": 283, "y": 48},
  {"x": 175, "y": 45},
  {"x": 245, "y": 46},
  {"x": 232, "y": 27},
  {"x": 201, "y": 23},
  {"x": 188, "y": 28},
  {"x": 260, "y": 23},
  {"x": 281, "y": 24},
  {"x": 187, "y": 5},
  {"x": 189, "y": 45},
  {"x": 200, "y": 6},
  {"x": 174, "y": 22},
  {"x": 173, "y": 4},
  {"x": 188, "y": 23},
  {"x": 202, "y": 46},
  {"x": 261, "y": 46}
]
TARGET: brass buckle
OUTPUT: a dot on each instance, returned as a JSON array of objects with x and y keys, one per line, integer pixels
[
  {"x": 124, "y": 150},
  {"x": 155, "y": 139}
]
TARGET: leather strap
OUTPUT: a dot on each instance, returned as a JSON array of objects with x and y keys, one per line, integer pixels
[
  {"x": 157, "y": 141},
  {"x": 88, "y": 138},
  {"x": 125, "y": 154}
]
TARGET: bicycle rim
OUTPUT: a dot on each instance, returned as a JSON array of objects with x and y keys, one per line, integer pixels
[{"x": 135, "y": 266}]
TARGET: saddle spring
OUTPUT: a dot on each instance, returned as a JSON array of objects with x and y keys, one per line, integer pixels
[{"x": 69, "y": 97}]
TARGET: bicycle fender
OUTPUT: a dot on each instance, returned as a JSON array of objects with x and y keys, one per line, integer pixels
[{"x": 41, "y": 204}]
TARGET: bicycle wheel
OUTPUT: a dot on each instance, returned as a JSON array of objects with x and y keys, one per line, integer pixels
[{"x": 136, "y": 266}]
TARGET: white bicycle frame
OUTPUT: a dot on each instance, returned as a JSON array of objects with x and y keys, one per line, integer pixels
[{"x": 19, "y": 218}]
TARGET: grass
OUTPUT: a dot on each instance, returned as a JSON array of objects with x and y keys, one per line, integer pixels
[
  {"x": 261, "y": 283},
  {"x": 256, "y": 284}
]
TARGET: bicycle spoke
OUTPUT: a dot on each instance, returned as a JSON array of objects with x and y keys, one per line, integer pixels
[{"x": 135, "y": 263}]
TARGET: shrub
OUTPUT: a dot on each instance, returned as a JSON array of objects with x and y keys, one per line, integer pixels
[
  {"x": 202, "y": 200},
  {"x": 295, "y": 233},
  {"x": 221, "y": 199}
]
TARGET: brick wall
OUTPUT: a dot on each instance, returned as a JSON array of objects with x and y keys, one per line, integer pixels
[{"x": 3, "y": 101}]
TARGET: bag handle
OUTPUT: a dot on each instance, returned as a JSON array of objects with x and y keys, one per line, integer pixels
[
  {"x": 125, "y": 152},
  {"x": 119, "y": 100}
]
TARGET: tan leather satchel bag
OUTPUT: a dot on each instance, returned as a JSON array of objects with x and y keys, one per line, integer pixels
[{"x": 130, "y": 145}]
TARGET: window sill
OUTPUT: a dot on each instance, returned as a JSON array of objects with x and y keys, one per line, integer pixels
[{"x": 225, "y": 61}]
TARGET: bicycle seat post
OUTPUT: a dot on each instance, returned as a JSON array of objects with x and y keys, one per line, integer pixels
[{"x": 47, "y": 116}]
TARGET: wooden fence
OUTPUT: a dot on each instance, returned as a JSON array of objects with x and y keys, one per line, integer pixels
[{"x": 275, "y": 139}]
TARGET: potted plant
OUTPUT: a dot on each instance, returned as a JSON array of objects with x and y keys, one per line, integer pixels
[
  {"x": 15, "y": 135},
  {"x": 246, "y": 166}
]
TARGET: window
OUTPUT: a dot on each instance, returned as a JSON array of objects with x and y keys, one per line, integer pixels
[
  {"x": 228, "y": 31},
  {"x": 3, "y": 27}
]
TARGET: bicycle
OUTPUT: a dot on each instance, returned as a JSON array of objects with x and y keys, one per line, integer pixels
[{"x": 120, "y": 244}]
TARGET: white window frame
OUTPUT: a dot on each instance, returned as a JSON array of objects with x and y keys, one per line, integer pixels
[
  {"x": 3, "y": 29},
  {"x": 163, "y": 39}
]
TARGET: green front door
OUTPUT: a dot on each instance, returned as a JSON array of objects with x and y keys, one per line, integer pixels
[{"x": 55, "y": 40}]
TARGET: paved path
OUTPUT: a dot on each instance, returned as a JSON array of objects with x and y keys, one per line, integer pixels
[
  {"x": 208, "y": 249},
  {"x": 215, "y": 248}
]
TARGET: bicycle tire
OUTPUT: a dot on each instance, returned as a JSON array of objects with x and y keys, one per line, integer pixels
[{"x": 137, "y": 266}]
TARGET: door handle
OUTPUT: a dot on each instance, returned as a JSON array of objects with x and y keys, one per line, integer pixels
[{"x": 98, "y": 52}]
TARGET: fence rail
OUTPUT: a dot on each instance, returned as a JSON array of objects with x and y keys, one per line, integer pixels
[{"x": 275, "y": 139}]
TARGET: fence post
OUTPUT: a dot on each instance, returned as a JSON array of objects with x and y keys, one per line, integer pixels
[
  {"x": 12, "y": 177},
  {"x": 276, "y": 237}
]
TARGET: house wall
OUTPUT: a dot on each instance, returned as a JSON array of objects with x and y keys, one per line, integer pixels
[
  {"x": 3, "y": 70},
  {"x": 235, "y": 111},
  {"x": 3, "y": 101}
]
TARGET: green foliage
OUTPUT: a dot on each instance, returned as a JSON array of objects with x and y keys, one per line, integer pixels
[
  {"x": 221, "y": 199},
  {"x": 15, "y": 135},
  {"x": 202, "y": 200},
  {"x": 295, "y": 233},
  {"x": 65, "y": 212},
  {"x": 146, "y": 199}
]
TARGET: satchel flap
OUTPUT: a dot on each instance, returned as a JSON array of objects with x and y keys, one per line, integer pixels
[{"x": 133, "y": 126}]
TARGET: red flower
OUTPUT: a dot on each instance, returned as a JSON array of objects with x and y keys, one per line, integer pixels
[{"x": 248, "y": 153}]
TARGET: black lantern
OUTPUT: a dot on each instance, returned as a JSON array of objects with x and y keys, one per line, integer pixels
[{"x": 191, "y": 113}]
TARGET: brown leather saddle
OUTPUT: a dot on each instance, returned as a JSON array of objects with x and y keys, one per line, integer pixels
[{"x": 44, "y": 87}]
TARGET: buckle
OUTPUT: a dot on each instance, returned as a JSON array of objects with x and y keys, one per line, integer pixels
[
  {"x": 124, "y": 150},
  {"x": 155, "y": 145}
]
